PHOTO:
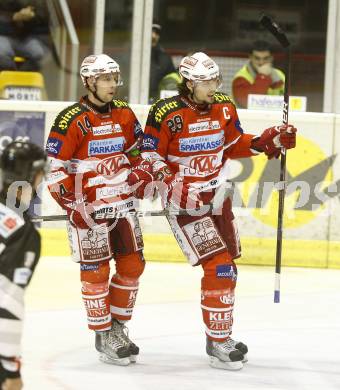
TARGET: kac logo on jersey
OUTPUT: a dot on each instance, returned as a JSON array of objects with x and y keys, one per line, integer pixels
[
  {"x": 204, "y": 163},
  {"x": 110, "y": 165},
  {"x": 198, "y": 144},
  {"x": 106, "y": 146},
  {"x": 53, "y": 146},
  {"x": 150, "y": 142}
]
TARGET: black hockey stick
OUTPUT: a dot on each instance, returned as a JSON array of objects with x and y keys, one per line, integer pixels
[
  {"x": 138, "y": 213},
  {"x": 223, "y": 192},
  {"x": 279, "y": 34}
]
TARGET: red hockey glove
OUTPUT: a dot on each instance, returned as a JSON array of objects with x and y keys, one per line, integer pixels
[
  {"x": 273, "y": 139},
  {"x": 141, "y": 177},
  {"x": 174, "y": 191},
  {"x": 81, "y": 215},
  {"x": 78, "y": 210}
]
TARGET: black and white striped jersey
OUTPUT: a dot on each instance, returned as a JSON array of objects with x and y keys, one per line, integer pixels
[{"x": 19, "y": 254}]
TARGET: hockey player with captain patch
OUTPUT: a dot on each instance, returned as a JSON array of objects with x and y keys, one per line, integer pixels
[
  {"x": 189, "y": 140},
  {"x": 93, "y": 146}
]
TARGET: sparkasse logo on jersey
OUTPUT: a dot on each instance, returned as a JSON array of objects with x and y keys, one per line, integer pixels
[
  {"x": 207, "y": 142},
  {"x": 106, "y": 146}
]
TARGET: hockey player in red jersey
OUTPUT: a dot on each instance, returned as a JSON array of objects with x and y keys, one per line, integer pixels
[
  {"x": 190, "y": 139},
  {"x": 92, "y": 146}
]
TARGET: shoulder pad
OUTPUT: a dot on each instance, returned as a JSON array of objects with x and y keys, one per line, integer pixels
[
  {"x": 65, "y": 117},
  {"x": 221, "y": 97},
  {"x": 10, "y": 221},
  {"x": 116, "y": 103},
  {"x": 163, "y": 107}
]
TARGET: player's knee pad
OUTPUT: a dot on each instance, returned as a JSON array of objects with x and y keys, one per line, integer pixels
[
  {"x": 130, "y": 266},
  {"x": 220, "y": 272}
]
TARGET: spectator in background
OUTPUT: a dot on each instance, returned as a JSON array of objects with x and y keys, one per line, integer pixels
[
  {"x": 23, "y": 26},
  {"x": 161, "y": 63},
  {"x": 257, "y": 76}
]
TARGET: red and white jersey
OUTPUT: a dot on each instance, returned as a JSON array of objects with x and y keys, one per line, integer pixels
[
  {"x": 89, "y": 151},
  {"x": 196, "y": 144}
]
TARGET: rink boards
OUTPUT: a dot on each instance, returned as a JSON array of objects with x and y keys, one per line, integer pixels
[{"x": 312, "y": 210}]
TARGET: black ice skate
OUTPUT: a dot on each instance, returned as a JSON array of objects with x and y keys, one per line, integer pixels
[
  {"x": 122, "y": 332},
  {"x": 111, "y": 349},
  {"x": 224, "y": 355}
]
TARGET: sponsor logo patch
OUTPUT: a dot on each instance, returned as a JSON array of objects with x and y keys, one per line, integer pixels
[
  {"x": 203, "y": 143},
  {"x": 10, "y": 222},
  {"x": 53, "y": 146},
  {"x": 226, "y": 271},
  {"x": 95, "y": 244},
  {"x": 150, "y": 142},
  {"x": 204, "y": 126},
  {"x": 65, "y": 118},
  {"x": 203, "y": 236},
  {"x": 102, "y": 130},
  {"x": 89, "y": 267},
  {"x": 227, "y": 299},
  {"x": 220, "y": 321},
  {"x": 106, "y": 146},
  {"x": 190, "y": 61}
]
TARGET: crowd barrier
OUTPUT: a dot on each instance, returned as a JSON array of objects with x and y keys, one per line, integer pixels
[{"x": 312, "y": 210}]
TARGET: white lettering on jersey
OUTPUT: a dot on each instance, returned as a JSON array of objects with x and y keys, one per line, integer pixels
[
  {"x": 203, "y": 143},
  {"x": 204, "y": 126},
  {"x": 226, "y": 113},
  {"x": 109, "y": 192},
  {"x": 55, "y": 177},
  {"x": 106, "y": 146},
  {"x": 102, "y": 130}
]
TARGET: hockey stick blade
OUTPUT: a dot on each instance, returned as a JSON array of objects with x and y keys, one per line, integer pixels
[{"x": 275, "y": 29}]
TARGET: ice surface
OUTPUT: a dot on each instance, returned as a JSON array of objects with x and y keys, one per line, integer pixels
[{"x": 292, "y": 345}]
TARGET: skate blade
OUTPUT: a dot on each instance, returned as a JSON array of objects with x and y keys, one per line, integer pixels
[
  {"x": 232, "y": 366},
  {"x": 245, "y": 358},
  {"x": 118, "y": 362},
  {"x": 133, "y": 358}
]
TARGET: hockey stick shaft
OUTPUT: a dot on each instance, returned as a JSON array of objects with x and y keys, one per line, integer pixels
[
  {"x": 138, "y": 213},
  {"x": 224, "y": 191},
  {"x": 279, "y": 34}
]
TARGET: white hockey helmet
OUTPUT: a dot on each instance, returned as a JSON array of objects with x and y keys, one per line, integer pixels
[
  {"x": 199, "y": 67},
  {"x": 97, "y": 64}
]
